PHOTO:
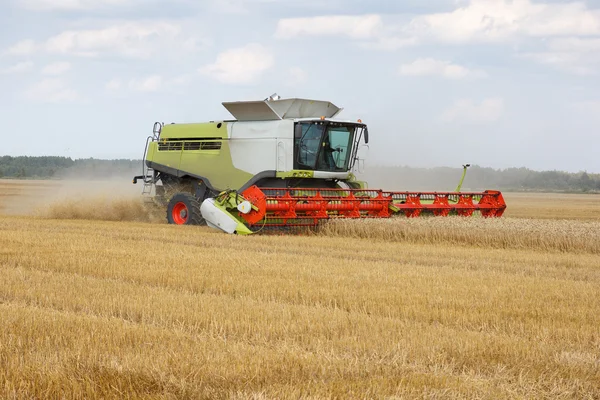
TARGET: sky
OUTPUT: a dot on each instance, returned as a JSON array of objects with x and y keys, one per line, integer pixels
[{"x": 498, "y": 83}]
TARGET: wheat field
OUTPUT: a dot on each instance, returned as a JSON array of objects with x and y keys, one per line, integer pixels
[{"x": 107, "y": 301}]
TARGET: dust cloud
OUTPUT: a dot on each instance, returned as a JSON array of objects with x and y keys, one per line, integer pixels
[{"x": 114, "y": 199}]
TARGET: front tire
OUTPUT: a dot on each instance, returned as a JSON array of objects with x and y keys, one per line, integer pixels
[{"x": 184, "y": 209}]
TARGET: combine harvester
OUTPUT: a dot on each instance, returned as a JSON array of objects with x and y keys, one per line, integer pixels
[{"x": 280, "y": 163}]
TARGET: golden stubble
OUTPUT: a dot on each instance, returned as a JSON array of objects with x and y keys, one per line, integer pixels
[
  {"x": 122, "y": 309},
  {"x": 510, "y": 233},
  {"x": 96, "y": 302}
]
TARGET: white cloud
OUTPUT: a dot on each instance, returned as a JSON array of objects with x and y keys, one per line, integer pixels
[
  {"x": 134, "y": 39},
  {"x": 241, "y": 6},
  {"x": 467, "y": 111},
  {"x": 566, "y": 61},
  {"x": 51, "y": 91},
  {"x": 21, "y": 67},
  {"x": 433, "y": 67},
  {"x": 57, "y": 68},
  {"x": 140, "y": 39},
  {"x": 564, "y": 19},
  {"x": 369, "y": 30},
  {"x": 355, "y": 27},
  {"x": 296, "y": 76},
  {"x": 390, "y": 43},
  {"x": 48, "y": 5},
  {"x": 242, "y": 65},
  {"x": 575, "y": 44},
  {"x": 228, "y": 6},
  {"x": 474, "y": 21},
  {"x": 113, "y": 85},
  {"x": 180, "y": 80},
  {"x": 500, "y": 20},
  {"x": 567, "y": 33},
  {"x": 151, "y": 83},
  {"x": 22, "y": 48},
  {"x": 580, "y": 56}
]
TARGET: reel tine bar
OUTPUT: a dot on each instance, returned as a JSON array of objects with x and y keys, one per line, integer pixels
[{"x": 306, "y": 207}]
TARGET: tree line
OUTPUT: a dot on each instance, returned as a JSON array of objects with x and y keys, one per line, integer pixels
[
  {"x": 385, "y": 177},
  {"x": 50, "y": 167},
  {"x": 479, "y": 178}
]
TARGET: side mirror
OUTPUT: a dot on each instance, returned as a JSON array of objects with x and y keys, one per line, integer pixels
[
  {"x": 361, "y": 166},
  {"x": 361, "y": 156},
  {"x": 366, "y": 135}
]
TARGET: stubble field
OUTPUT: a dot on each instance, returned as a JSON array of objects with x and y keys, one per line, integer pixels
[{"x": 100, "y": 299}]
